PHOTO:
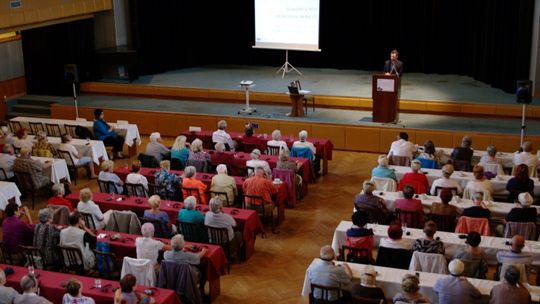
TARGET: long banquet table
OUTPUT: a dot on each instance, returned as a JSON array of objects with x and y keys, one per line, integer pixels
[
  {"x": 57, "y": 171},
  {"x": 452, "y": 243},
  {"x": 498, "y": 183},
  {"x": 52, "y": 286},
  {"x": 389, "y": 279},
  {"x": 324, "y": 146},
  {"x": 248, "y": 221},
  {"x": 280, "y": 198},
  {"x": 506, "y": 158},
  {"x": 9, "y": 191},
  {"x": 92, "y": 148}
]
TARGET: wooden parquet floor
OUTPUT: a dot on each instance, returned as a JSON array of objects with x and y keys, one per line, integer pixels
[{"x": 275, "y": 273}]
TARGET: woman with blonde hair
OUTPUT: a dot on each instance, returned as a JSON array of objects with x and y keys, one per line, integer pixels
[
  {"x": 179, "y": 149},
  {"x": 410, "y": 285},
  {"x": 154, "y": 213},
  {"x": 86, "y": 205}
]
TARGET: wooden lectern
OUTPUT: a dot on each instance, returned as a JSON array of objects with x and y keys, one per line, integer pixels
[
  {"x": 297, "y": 103},
  {"x": 385, "y": 94}
]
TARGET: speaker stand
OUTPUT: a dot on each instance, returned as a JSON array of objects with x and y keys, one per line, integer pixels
[{"x": 522, "y": 125}]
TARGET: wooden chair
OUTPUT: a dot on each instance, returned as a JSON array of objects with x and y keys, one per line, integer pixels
[
  {"x": 361, "y": 300},
  {"x": 53, "y": 130},
  {"x": 136, "y": 190},
  {"x": 73, "y": 168},
  {"x": 72, "y": 260},
  {"x": 89, "y": 220},
  {"x": 34, "y": 257},
  {"x": 272, "y": 150},
  {"x": 193, "y": 232},
  {"x": 413, "y": 219},
  {"x": 36, "y": 127},
  {"x": 159, "y": 230},
  {"x": 107, "y": 187},
  {"x": 187, "y": 191},
  {"x": 3, "y": 175},
  {"x": 256, "y": 202},
  {"x": 399, "y": 160},
  {"x": 327, "y": 292},
  {"x": 356, "y": 255},
  {"x": 26, "y": 182},
  {"x": 111, "y": 268},
  {"x": 161, "y": 191},
  {"x": 444, "y": 222},
  {"x": 70, "y": 129},
  {"x": 220, "y": 236},
  {"x": 176, "y": 164},
  {"x": 14, "y": 126},
  {"x": 223, "y": 196},
  {"x": 5, "y": 255},
  {"x": 438, "y": 190}
]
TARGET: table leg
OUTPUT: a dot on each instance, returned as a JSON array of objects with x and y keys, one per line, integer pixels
[
  {"x": 325, "y": 165},
  {"x": 132, "y": 151}
]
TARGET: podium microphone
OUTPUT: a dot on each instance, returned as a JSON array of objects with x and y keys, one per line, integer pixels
[{"x": 394, "y": 70}]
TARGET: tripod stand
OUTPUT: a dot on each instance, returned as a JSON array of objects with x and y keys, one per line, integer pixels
[
  {"x": 287, "y": 67},
  {"x": 522, "y": 125}
]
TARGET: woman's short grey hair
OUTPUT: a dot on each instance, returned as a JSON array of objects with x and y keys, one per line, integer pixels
[
  {"x": 196, "y": 145},
  {"x": 177, "y": 242},
  {"x": 58, "y": 189},
  {"x": 190, "y": 202},
  {"x": 491, "y": 150},
  {"x": 220, "y": 147},
  {"x": 44, "y": 215},
  {"x": 147, "y": 230},
  {"x": 215, "y": 204},
  {"x": 190, "y": 171},
  {"x": 276, "y": 134},
  {"x": 221, "y": 169},
  {"x": 28, "y": 282},
  {"x": 255, "y": 154},
  {"x": 303, "y": 135}
]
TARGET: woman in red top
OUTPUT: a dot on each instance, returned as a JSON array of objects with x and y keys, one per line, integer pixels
[
  {"x": 416, "y": 179},
  {"x": 408, "y": 203},
  {"x": 58, "y": 198}
]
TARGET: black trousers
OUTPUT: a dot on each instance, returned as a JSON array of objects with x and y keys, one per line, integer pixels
[{"x": 116, "y": 142}]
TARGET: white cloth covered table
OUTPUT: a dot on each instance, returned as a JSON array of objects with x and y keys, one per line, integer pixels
[
  {"x": 506, "y": 158},
  {"x": 57, "y": 171},
  {"x": 95, "y": 149},
  {"x": 129, "y": 131},
  {"x": 9, "y": 190},
  {"x": 498, "y": 183},
  {"x": 452, "y": 243},
  {"x": 389, "y": 280}
]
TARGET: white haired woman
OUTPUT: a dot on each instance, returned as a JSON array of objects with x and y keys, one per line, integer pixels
[
  {"x": 277, "y": 142},
  {"x": 46, "y": 237},
  {"x": 222, "y": 182},
  {"x": 190, "y": 181},
  {"x": 86, "y": 205},
  {"x": 189, "y": 214},
  {"x": 197, "y": 152},
  {"x": 169, "y": 182},
  {"x": 107, "y": 175},
  {"x": 382, "y": 169},
  {"x": 255, "y": 162},
  {"x": 155, "y": 147},
  {"x": 147, "y": 247},
  {"x": 179, "y": 255}
]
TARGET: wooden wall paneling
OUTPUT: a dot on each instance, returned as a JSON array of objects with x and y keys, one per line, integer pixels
[
  {"x": 336, "y": 133},
  {"x": 442, "y": 107},
  {"x": 388, "y": 136},
  {"x": 362, "y": 139},
  {"x": 288, "y": 128},
  {"x": 505, "y": 143},
  {"x": 439, "y": 139},
  {"x": 477, "y": 109},
  {"x": 169, "y": 124},
  {"x": 146, "y": 122},
  {"x": 410, "y": 105},
  {"x": 205, "y": 122},
  {"x": 237, "y": 124},
  {"x": 479, "y": 141}
]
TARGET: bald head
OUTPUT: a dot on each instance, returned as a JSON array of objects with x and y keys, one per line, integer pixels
[{"x": 518, "y": 242}]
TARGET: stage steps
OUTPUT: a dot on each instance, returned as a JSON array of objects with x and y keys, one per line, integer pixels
[{"x": 32, "y": 106}]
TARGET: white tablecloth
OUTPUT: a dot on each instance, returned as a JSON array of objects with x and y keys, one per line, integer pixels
[
  {"x": 498, "y": 183},
  {"x": 506, "y": 158},
  {"x": 93, "y": 148},
  {"x": 57, "y": 171},
  {"x": 452, "y": 242},
  {"x": 389, "y": 279},
  {"x": 9, "y": 190},
  {"x": 129, "y": 131}
]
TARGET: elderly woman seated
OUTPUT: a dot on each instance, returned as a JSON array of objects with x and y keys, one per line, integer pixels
[
  {"x": 474, "y": 259},
  {"x": 220, "y": 156},
  {"x": 479, "y": 184},
  {"x": 367, "y": 289},
  {"x": 444, "y": 207},
  {"x": 189, "y": 214},
  {"x": 147, "y": 247},
  {"x": 86, "y": 205},
  {"x": 58, "y": 198},
  {"x": 415, "y": 178},
  {"x": 465, "y": 152},
  {"x": 107, "y": 175},
  {"x": 410, "y": 286},
  {"x": 521, "y": 182},
  {"x": 277, "y": 142},
  {"x": 490, "y": 157},
  {"x": 285, "y": 162},
  {"x": 429, "y": 244},
  {"x": 78, "y": 235},
  {"x": 479, "y": 209},
  {"x": 154, "y": 213},
  {"x": 255, "y": 162},
  {"x": 221, "y": 182},
  {"x": 169, "y": 183},
  {"x": 190, "y": 181},
  {"x": 382, "y": 169},
  {"x": 135, "y": 177},
  {"x": 216, "y": 218},
  {"x": 197, "y": 153},
  {"x": 409, "y": 203},
  {"x": 372, "y": 204},
  {"x": 180, "y": 255},
  {"x": 16, "y": 232},
  {"x": 429, "y": 156},
  {"x": 78, "y": 160},
  {"x": 73, "y": 293},
  {"x": 445, "y": 181},
  {"x": 394, "y": 239},
  {"x": 46, "y": 238},
  {"x": 42, "y": 147},
  {"x": 22, "y": 140}
]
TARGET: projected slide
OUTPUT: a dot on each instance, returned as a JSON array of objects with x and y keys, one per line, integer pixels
[{"x": 287, "y": 24}]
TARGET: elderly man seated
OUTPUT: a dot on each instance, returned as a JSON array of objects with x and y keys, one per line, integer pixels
[
  {"x": 24, "y": 163},
  {"x": 415, "y": 178},
  {"x": 455, "y": 289},
  {"x": 78, "y": 235},
  {"x": 367, "y": 289},
  {"x": 465, "y": 152},
  {"x": 445, "y": 181},
  {"x": 216, "y": 218},
  {"x": 180, "y": 254},
  {"x": 326, "y": 273},
  {"x": 525, "y": 156},
  {"x": 373, "y": 205},
  {"x": 479, "y": 184},
  {"x": 148, "y": 248},
  {"x": 402, "y": 146},
  {"x": 277, "y": 141},
  {"x": 7, "y": 159},
  {"x": 156, "y": 148},
  {"x": 511, "y": 286},
  {"x": 220, "y": 136},
  {"x": 30, "y": 286},
  {"x": 255, "y": 161},
  {"x": 382, "y": 169},
  {"x": 260, "y": 186},
  {"x": 522, "y": 212},
  {"x": 222, "y": 182}
]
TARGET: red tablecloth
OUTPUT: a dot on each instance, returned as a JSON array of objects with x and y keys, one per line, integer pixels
[
  {"x": 280, "y": 198},
  {"x": 50, "y": 284},
  {"x": 324, "y": 146},
  {"x": 247, "y": 220}
]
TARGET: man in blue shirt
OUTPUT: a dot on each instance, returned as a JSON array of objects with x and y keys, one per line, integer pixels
[{"x": 104, "y": 132}]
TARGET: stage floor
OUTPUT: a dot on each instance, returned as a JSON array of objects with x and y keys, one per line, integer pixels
[{"x": 330, "y": 82}]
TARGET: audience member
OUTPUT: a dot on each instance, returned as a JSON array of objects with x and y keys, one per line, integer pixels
[
  {"x": 78, "y": 160},
  {"x": 465, "y": 152},
  {"x": 410, "y": 286},
  {"x": 521, "y": 182},
  {"x": 302, "y": 142},
  {"x": 73, "y": 293},
  {"x": 255, "y": 162},
  {"x": 382, "y": 170},
  {"x": 285, "y": 162},
  {"x": 135, "y": 177},
  {"x": 16, "y": 232},
  {"x": 358, "y": 236},
  {"x": 430, "y": 154},
  {"x": 104, "y": 132},
  {"x": 216, "y": 218},
  {"x": 7, "y": 160},
  {"x": 148, "y": 248},
  {"x": 510, "y": 287},
  {"x": 47, "y": 238},
  {"x": 196, "y": 153},
  {"x": 522, "y": 212},
  {"x": 479, "y": 209},
  {"x": 250, "y": 140},
  {"x": 22, "y": 140},
  {"x": 444, "y": 207},
  {"x": 42, "y": 147},
  {"x": 445, "y": 181},
  {"x": 189, "y": 213},
  {"x": 277, "y": 141},
  {"x": 126, "y": 294},
  {"x": 78, "y": 235},
  {"x": 24, "y": 163},
  {"x": 415, "y": 178},
  {"x": 154, "y": 213},
  {"x": 490, "y": 157},
  {"x": 429, "y": 244},
  {"x": 372, "y": 204},
  {"x": 190, "y": 181},
  {"x": 168, "y": 182},
  {"x": 326, "y": 273},
  {"x": 86, "y": 205},
  {"x": 526, "y": 157},
  {"x": 222, "y": 182},
  {"x": 259, "y": 186},
  {"x": 455, "y": 289},
  {"x": 220, "y": 156},
  {"x": 367, "y": 288},
  {"x": 402, "y": 146},
  {"x": 155, "y": 148},
  {"x": 107, "y": 175},
  {"x": 394, "y": 239},
  {"x": 220, "y": 136},
  {"x": 480, "y": 183},
  {"x": 29, "y": 285},
  {"x": 179, "y": 150},
  {"x": 409, "y": 203},
  {"x": 473, "y": 258},
  {"x": 180, "y": 254},
  {"x": 515, "y": 255},
  {"x": 7, "y": 294},
  {"x": 58, "y": 198}
]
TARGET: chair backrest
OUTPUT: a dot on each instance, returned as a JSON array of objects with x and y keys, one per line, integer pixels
[
  {"x": 200, "y": 165},
  {"x": 251, "y": 201},
  {"x": 142, "y": 269},
  {"x": 224, "y": 197},
  {"x": 444, "y": 222},
  {"x": 188, "y": 191},
  {"x": 89, "y": 220},
  {"x": 159, "y": 230},
  {"x": 418, "y": 187},
  {"x": 494, "y": 168},
  {"x": 136, "y": 190},
  {"x": 394, "y": 258},
  {"x": 193, "y": 232},
  {"x": 523, "y": 271},
  {"x": 362, "y": 300},
  {"x": 110, "y": 268},
  {"x": 14, "y": 126},
  {"x": 53, "y": 130},
  {"x": 176, "y": 164},
  {"x": 34, "y": 256},
  {"x": 217, "y": 235},
  {"x": 527, "y": 230},
  {"x": 324, "y": 294},
  {"x": 272, "y": 150},
  {"x": 427, "y": 163},
  {"x": 160, "y": 190},
  {"x": 384, "y": 183},
  {"x": 439, "y": 189},
  {"x": 26, "y": 181},
  {"x": 428, "y": 262},
  {"x": 181, "y": 278},
  {"x": 5, "y": 255},
  {"x": 3, "y": 174},
  {"x": 413, "y": 219},
  {"x": 36, "y": 127},
  {"x": 70, "y": 129},
  {"x": 288, "y": 177},
  {"x": 72, "y": 259},
  {"x": 107, "y": 187},
  {"x": 356, "y": 255},
  {"x": 395, "y": 160},
  {"x": 148, "y": 161},
  {"x": 466, "y": 224},
  {"x": 462, "y": 165},
  {"x": 67, "y": 157}
]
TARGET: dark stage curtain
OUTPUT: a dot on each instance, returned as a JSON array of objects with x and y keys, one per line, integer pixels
[{"x": 489, "y": 40}]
